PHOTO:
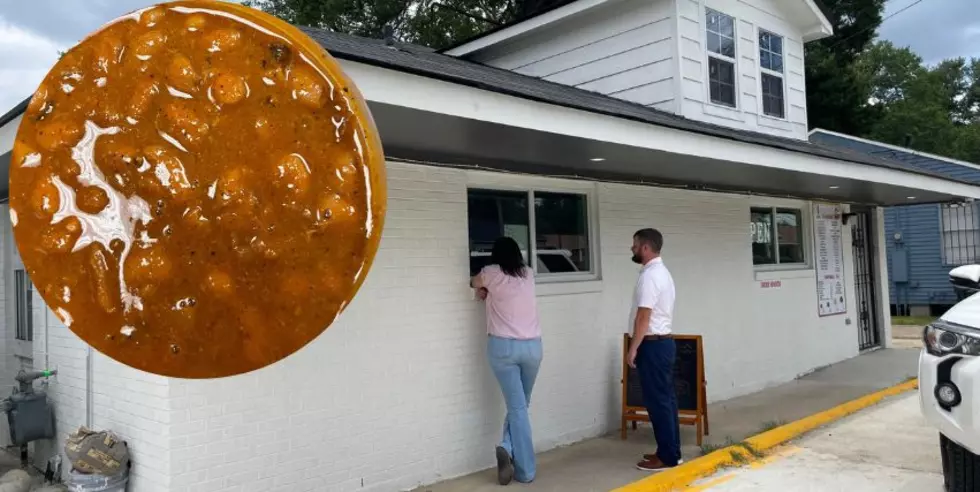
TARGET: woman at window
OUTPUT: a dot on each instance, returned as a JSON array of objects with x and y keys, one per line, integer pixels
[{"x": 514, "y": 351}]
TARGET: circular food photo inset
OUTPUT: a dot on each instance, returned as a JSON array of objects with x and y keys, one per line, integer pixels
[{"x": 197, "y": 190}]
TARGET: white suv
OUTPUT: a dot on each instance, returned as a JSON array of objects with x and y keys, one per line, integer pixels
[{"x": 949, "y": 382}]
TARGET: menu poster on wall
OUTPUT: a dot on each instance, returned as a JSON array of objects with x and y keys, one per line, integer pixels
[{"x": 829, "y": 249}]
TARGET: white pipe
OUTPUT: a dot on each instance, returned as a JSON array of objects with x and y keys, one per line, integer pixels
[{"x": 88, "y": 387}]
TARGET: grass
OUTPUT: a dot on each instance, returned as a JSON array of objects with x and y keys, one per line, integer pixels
[
  {"x": 912, "y": 320},
  {"x": 771, "y": 424}
]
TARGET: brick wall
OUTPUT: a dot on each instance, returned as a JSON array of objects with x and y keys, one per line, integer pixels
[{"x": 398, "y": 393}]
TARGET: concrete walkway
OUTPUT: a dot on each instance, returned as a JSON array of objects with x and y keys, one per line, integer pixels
[
  {"x": 888, "y": 447},
  {"x": 603, "y": 464}
]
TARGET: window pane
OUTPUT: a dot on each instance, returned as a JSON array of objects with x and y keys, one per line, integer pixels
[
  {"x": 762, "y": 238},
  {"x": 727, "y": 26},
  {"x": 713, "y": 20},
  {"x": 764, "y": 40},
  {"x": 776, "y": 45},
  {"x": 492, "y": 214},
  {"x": 765, "y": 60},
  {"x": 777, "y": 63},
  {"x": 773, "y": 103},
  {"x": 714, "y": 43},
  {"x": 728, "y": 47},
  {"x": 789, "y": 229},
  {"x": 561, "y": 225}
]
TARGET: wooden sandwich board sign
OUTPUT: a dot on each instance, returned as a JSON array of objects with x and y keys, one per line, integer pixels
[{"x": 689, "y": 384}]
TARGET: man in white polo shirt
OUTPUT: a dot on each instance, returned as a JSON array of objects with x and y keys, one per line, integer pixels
[{"x": 652, "y": 348}]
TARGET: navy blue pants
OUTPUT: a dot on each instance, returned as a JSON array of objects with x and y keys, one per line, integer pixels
[{"x": 655, "y": 366}]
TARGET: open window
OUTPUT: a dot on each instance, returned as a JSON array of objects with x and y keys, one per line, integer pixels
[{"x": 553, "y": 229}]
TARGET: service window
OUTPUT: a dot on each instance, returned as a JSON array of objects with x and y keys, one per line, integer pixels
[
  {"x": 552, "y": 228},
  {"x": 778, "y": 236}
]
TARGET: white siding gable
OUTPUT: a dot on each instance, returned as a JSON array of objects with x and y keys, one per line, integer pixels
[
  {"x": 623, "y": 49},
  {"x": 655, "y": 53},
  {"x": 750, "y": 16}
]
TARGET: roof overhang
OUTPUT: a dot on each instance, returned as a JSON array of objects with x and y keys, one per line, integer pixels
[
  {"x": 441, "y": 123},
  {"x": 819, "y": 26}
]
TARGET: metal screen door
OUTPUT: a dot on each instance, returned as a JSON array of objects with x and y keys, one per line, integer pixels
[{"x": 864, "y": 281}]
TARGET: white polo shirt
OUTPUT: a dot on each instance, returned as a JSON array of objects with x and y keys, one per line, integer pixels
[{"x": 654, "y": 290}]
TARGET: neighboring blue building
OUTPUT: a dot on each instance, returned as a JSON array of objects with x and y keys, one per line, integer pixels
[{"x": 924, "y": 242}]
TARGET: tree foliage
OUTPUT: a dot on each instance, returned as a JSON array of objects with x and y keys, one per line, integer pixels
[{"x": 837, "y": 94}]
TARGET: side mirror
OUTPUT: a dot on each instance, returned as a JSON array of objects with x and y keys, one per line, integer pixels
[{"x": 965, "y": 280}]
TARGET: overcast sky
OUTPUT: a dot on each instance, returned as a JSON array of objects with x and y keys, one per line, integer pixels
[{"x": 32, "y": 32}]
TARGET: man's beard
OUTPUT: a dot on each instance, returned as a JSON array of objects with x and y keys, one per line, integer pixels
[{"x": 637, "y": 259}]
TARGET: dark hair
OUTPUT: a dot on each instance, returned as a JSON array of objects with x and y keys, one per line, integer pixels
[
  {"x": 652, "y": 238},
  {"x": 507, "y": 255}
]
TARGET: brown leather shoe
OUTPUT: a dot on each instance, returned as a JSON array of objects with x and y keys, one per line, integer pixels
[
  {"x": 653, "y": 456},
  {"x": 652, "y": 465}
]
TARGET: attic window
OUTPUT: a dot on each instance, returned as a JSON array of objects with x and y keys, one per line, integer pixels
[
  {"x": 771, "y": 66},
  {"x": 721, "y": 57}
]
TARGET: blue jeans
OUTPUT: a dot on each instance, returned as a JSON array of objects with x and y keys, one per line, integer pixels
[
  {"x": 515, "y": 363},
  {"x": 655, "y": 366}
]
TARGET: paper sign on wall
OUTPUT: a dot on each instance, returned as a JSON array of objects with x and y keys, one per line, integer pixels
[{"x": 829, "y": 248}]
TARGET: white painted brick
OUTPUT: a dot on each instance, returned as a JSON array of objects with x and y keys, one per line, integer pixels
[{"x": 398, "y": 392}]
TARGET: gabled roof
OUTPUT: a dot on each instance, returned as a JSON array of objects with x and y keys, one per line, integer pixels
[
  {"x": 567, "y": 8},
  {"x": 424, "y": 62},
  {"x": 937, "y": 164}
]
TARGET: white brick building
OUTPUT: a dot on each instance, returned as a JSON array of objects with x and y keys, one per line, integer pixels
[{"x": 398, "y": 393}]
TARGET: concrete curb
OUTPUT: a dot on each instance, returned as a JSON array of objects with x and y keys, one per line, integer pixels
[{"x": 748, "y": 450}]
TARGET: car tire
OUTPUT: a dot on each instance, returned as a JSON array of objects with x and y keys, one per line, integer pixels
[{"x": 961, "y": 468}]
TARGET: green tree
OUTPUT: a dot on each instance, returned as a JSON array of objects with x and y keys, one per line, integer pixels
[
  {"x": 432, "y": 23},
  {"x": 837, "y": 94},
  {"x": 934, "y": 108}
]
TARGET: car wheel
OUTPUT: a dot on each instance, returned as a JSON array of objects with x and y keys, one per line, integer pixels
[{"x": 961, "y": 468}]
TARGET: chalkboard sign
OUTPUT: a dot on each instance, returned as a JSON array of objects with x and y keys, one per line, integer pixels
[{"x": 689, "y": 386}]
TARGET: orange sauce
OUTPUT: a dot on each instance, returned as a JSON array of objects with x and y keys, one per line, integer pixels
[{"x": 197, "y": 190}]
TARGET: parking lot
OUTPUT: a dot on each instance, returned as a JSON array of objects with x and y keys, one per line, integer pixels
[{"x": 888, "y": 447}]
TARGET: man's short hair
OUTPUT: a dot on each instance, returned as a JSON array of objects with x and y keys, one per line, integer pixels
[{"x": 650, "y": 237}]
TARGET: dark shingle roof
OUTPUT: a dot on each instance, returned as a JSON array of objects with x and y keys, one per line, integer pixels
[
  {"x": 424, "y": 62},
  {"x": 949, "y": 168}
]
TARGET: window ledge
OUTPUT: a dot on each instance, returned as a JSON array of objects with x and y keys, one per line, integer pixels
[
  {"x": 567, "y": 287},
  {"x": 23, "y": 349}
]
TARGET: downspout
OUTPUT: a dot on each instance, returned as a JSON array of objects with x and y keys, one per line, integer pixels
[{"x": 88, "y": 386}]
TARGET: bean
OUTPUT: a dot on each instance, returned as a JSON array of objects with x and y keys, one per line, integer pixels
[
  {"x": 262, "y": 128},
  {"x": 306, "y": 89},
  {"x": 293, "y": 174},
  {"x": 106, "y": 53},
  {"x": 45, "y": 199},
  {"x": 92, "y": 199},
  {"x": 148, "y": 44},
  {"x": 103, "y": 278},
  {"x": 38, "y": 102},
  {"x": 118, "y": 161},
  {"x": 220, "y": 283},
  {"x": 61, "y": 131},
  {"x": 195, "y": 22},
  {"x": 61, "y": 237},
  {"x": 229, "y": 89},
  {"x": 186, "y": 122},
  {"x": 142, "y": 97},
  {"x": 148, "y": 265},
  {"x": 152, "y": 17},
  {"x": 222, "y": 40},
  {"x": 181, "y": 74},
  {"x": 166, "y": 173}
]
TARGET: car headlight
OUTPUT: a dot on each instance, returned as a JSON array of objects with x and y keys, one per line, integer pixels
[{"x": 942, "y": 338}]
